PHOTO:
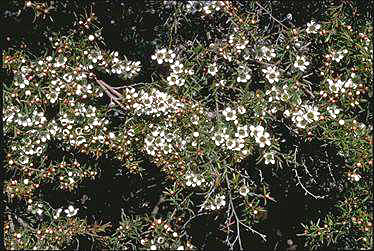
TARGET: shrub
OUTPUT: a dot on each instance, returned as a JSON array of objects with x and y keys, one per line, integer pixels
[{"x": 217, "y": 125}]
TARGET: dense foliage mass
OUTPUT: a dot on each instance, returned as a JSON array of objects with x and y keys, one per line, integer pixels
[{"x": 188, "y": 125}]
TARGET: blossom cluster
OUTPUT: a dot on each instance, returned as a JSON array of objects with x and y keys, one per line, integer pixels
[
  {"x": 244, "y": 74},
  {"x": 164, "y": 55},
  {"x": 265, "y": 54},
  {"x": 238, "y": 41},
  {"x": 217, "y": 203},
  {"x": 337, "y": 56},
  {"x": 161, "y": 141},
  {"x": 276, "y": 94},
  {"x": 238, "y": 143},
  {"x": 208, "y": 7},
  {"x": 153, "y": 103},
  {"x": 304, "y": 115},
  {"x": 112, "y": 63},
  {"x": 178, "y": 74},
  {"x": 340, "y": 86},
  {"x": 193, "y": 179}
]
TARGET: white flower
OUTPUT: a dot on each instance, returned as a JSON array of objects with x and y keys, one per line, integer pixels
[
  {"x": 337, "y": 56},
  {"x": 177, "y": 67},
  {"x": 160, "y": 240},
  {"x": 153, "y": 247},
  {"x": 212, "y": 69},
  {"x": 218, "y": 138},
  {"x": 230, "y": 143},
  {"x": 239, "y": 144},
  {"x": 258, "y": 130},
  {"x": 333, "y": 110},
  {"x": 195, "y": 119},
  {"x": 269, "y": 158},
  {"x": 301, "y": 63},
  {"x": 241, "y": 110},
  {"x": 181, "y": 82},
  {"x": 57, "y": 215},
  {"x": 67, "y": 77},
  {"x": 159, "y": 56},
  {"x": 194, "y": 179},
  {"x": 169, "y": 56},
  {"x": 199, "y": 180},
  {"x": 221, "y": 83},
  {"x": 311, "y": 114},
  {"x": 229, "y": 114},
  {"x": 242, "y": 132},
  {"x": 312, "y": 27},
  {"x": 335, "y": 87},
  {"x": 271, "y": 74},
  {"x": 169, "y": 137},
  {"x": 354, "y": 177},
  {"x": 91, "y": 37},
  {"x": 300, "y": 120},
  {"x": 70, "y": 211},
  {"x": 266, "y": 53},
  {"x": 243, "y": 78},
  {"x": 243, "y": 190},
  {"x": 341, "y": 122},
  {"x": 263, "y": 139},
  {"x": 180, "y": 248},
  {"x": 39, "y": 211},
  {"x": 167, "y": 149},
  {"x": 173, "y": 79},
  {"x": 189, "y": 179},
  {"x": 220, "y": 201},
  {"x": 349, "y": 84},
  {"x": 243, "y": 75},
  {"x": 159, "y": 141},
  {"x": 287, "y": 113}
]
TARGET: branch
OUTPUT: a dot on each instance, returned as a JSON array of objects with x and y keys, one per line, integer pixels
[
  {"x": 111, "y": 92},
  {"x": 259, "y": 5},
  {"x": 299, "y": 181},
  {"x": 306, "y": 191},
  {"x": 206, "y": 200},
  {"x": 238, "y": 221}
]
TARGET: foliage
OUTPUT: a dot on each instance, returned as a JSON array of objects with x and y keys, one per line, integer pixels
[{"x": 199, "y": 129}]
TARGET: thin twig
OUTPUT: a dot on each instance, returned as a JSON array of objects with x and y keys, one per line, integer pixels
[
  {"x": 306, "y": 190},
  {"x": 254, "y": 231},
  {"x": 238, "y": 221},
  {"x": 206, "y": 200},
  {"x": 259, "y": 5},
  {"x": 236, "y": 217},
  {"x": 299, "y": 181},
  {"x": 193, "y": 217}
]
